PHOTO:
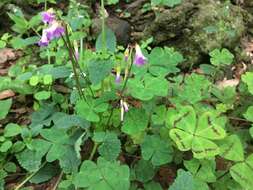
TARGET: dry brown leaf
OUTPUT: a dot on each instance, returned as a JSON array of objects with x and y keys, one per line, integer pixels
[
  {"x": 7, "y": 54},
  {"x": 6, "y": 94},
  {"x": 227, "y": 83}
]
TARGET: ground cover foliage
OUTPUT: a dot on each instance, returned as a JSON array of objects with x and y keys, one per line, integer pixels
[{"x": 83, "y": 112}]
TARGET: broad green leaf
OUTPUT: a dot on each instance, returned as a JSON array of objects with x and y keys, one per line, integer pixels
[
  {"x": 197, "y": 135},
  {"x": 109, "y": 42},
  {"x": 164, "y": 61},
  {"x": 135, "y": 122},
  {"x": 65, "y": 121},
  {"x": 152, "y": 186},
  {"x": 103, "y": 175},
  {"x": 242, "y": 173},
  {"x": 5, "y": 106},
  {"x": 232, "y": 148},
  {"x": 110, "y": 146},
  {"x": 148, "y": 87},
  {"x": 44, "y": 174},
  {"x": 248, "y": 79},
  {"x": 159, "y": 115},
  {"x": 47, "y": 79},
  {"x": 157, "y": 150},
  {"x": 194, "y": 89},
  {"x": 184, "y": 181},
  {"x": 99, "y": 69},
  {"x": 62, "y": 149},
  {"x": 203, "y": 170},
  {"x": 89, "y": 110},
  {"x": 221, "y": 57},
  {"x": 144, "y": 171},
  {"x": 31, "y": 159}
]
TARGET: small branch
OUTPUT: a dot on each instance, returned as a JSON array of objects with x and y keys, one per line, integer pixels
[
  {"x": 58, "y": 181},
  {"x": 93, "y": 151}
]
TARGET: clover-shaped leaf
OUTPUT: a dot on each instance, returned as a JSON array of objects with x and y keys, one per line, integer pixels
[
  {"x": 135, "y": 122},
  {"x": 110, "y": 145},
  {"x": 194, "y": 89},
  {"x": 231, "y": 148},
  {"x": 89, "y": 110},
  {"x": 190, "y": 133},
  {"x": 157, "y": 150},
  {"x": 62, "y": 149},
  {"x": 31, "y": 159},
  {"x": 203, "y": 169},
  {"x": 248, "y": 79},
  {"x": 147, "y": 88},
  {"x": 242, "y": 172},
  {"x": 103, "y": 175},
  {"x": 164, "y": 61},
  {"x": 221, "y": 57}
]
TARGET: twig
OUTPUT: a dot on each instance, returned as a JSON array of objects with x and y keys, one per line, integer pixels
[{"x": 58, "y": 181}]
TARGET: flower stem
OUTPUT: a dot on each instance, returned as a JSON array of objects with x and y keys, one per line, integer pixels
[
  {"x": 103, "y": 26},
  {"x": 29, "y": 177},
  {"x": 93, "y": 151}
]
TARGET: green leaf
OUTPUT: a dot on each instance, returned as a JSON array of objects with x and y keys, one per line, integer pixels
[
  {"x": 242, "y": 172},
  {"x": 103, "y": 175},
  {"x": 10, "y": 167},
  {"x": 191, "y": 134},
  {"x": 62, "y": 149},
  {"x": 184, "y": 181},
  {"x": 221, "y": 57},
  {"x": 47, "y": 79},
  {"x": 135, "y": 122},
  {"x": 152, "y": 186},
  {"x": 12, "y": 130},
  {"x": 44, "y": 174},
  {"x": 110, "y": 146},
  {"x": 5, "y": 106},
  {"x": 34, "y": 80},
  {"x": 5, "y": 146},
  {"x": 143, "y": 171},
  {"x": 89, "y": 110},
  {"x": 40, "y": 148},
  {"x": 170, "y": 3},
  {"x": 65, "y": 121},
  {"x": 248, "y": 79},
  {"x": 99, "y": 69},
  {"x": 232, "y": 149},
  {"x": 164, "y": 61},
  {"x": 148, "y": 87},
  {"x": 203, "y": 170},
  {"x": 42, "y": 95},
  {"x": 110, "y": 41},
  {"x": 157, "y": 150},
  {"x": 195, "y": 88},
  {"x": 249, "y": 114},
  {"x": 159, "y": 115}
]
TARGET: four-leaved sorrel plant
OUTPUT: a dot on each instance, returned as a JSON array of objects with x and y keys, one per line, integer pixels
[{"x": 126, "y": 116}]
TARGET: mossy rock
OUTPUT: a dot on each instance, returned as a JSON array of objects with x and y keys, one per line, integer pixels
[{"x": 197, "y": 27}]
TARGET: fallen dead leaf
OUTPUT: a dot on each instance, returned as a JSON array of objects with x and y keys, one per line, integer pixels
[
  {"x": 6, "y": 94},
  {"x": 227, "y": 83},
  {"x": 7, "y": 54}
]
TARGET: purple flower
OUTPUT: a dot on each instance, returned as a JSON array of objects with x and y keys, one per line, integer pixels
[
  {"x": 118, "y": 78},
  {"x": 139, "y": 58},
  {"x": 55, "y": 31},
  {"x": 48, "y": 16},
  {"x": 44, "y": 40},
  {"x": 126, "y": 54}
]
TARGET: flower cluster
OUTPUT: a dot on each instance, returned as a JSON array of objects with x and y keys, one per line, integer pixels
[{"x": 54, "y": 29}]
